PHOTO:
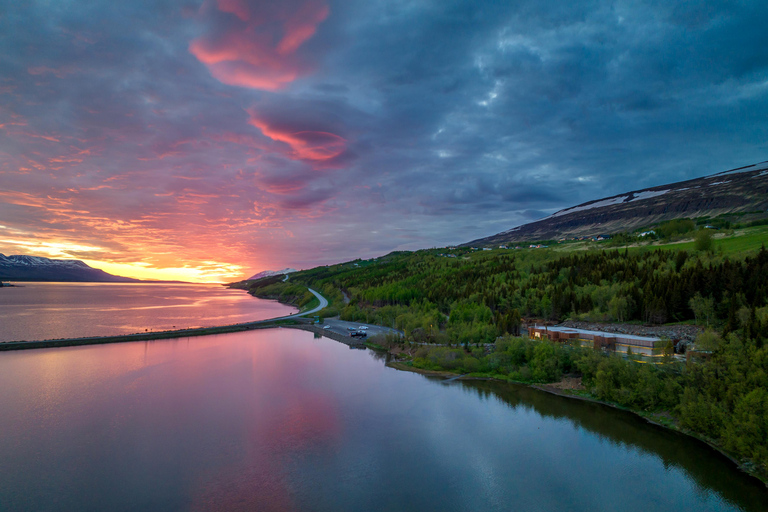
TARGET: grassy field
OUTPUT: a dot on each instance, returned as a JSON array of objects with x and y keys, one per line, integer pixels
[{"x": 738, "y": 242}]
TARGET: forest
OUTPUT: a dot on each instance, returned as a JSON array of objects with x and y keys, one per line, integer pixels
[
  {"x": 477, "y": 296},
  {"x": 461, "y": 310}
]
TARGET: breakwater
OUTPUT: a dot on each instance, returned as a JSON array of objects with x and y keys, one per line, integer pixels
[{"x": 298, "y": 323}]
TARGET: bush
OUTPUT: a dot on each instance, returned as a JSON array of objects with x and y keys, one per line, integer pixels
[{"x": 703, "y": 241}]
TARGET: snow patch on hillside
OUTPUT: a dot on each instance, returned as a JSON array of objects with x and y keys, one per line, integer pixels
[
  {"x": 39, "y": 261},
  {"x": 749, "y": 168},
  {"x": 647, "y": 194},
  {"x": 270, "y": 273},
  {"x": 626, "y": 198}
]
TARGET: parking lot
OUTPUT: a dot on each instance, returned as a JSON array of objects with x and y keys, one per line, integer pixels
[{"x": 345, "y": 328}]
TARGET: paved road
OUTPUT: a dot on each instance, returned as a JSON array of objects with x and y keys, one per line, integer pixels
[
  {"x": 344, "y": 328},
  {"x": 323, "y": 304},
  {"x": 340, "y": 326}
]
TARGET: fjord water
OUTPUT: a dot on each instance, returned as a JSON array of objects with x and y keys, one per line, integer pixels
[
  {"x": 40, "y": 311},
  {"x": 279, "y": 420}
]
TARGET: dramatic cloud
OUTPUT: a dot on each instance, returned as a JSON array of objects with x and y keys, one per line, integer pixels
[
  {"x": 213, "y": 139},
  {"x": 303, "y": 144},
  {"x": 251, "y": 44}
]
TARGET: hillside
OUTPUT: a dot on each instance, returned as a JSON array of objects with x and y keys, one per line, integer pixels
[
  {"x": 739, "y": 191},
  {"x": 35, "y": 268}
]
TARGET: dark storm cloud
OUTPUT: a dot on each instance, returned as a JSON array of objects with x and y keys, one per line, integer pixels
[
  {"x": 254, "y": 127},
  {"x": 586, "y": 98}
]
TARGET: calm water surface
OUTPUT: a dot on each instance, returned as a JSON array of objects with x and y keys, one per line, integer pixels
[
  {"x": 279, "y": 420},
  {"x": 39, "y": 311}
]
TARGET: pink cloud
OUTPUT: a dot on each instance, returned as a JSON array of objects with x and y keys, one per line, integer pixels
[
  {"x": 310, "y": 145},
  {"x": 255, "y": 46}
]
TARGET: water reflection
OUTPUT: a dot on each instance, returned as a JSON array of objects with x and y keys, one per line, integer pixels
[
  {"x": 281, "y": 420},
  {"x": 710, "y": 470},
  {"x": 38, "y": 311}
]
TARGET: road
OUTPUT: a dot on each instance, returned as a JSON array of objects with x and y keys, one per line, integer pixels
[
  {"x": 323, "y": 305},
  {"x": 344, "y": 328},
  {"x": 340, "y": 327}
]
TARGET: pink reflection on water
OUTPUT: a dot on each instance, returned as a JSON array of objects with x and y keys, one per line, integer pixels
[
  {"x": 37, "y": 311},
  {"x": 226, "y": 416}
]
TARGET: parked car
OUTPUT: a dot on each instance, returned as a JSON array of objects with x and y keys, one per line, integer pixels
[{"x": 326, "y": 327}]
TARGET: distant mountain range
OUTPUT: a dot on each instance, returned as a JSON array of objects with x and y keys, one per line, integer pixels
[
  {"x": 35, "y": 268},
  {"x": 738, "y": 191},
  {"x": 270, "y": 273}
]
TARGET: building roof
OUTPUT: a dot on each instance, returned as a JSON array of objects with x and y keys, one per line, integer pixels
[{"x": 598, "y": 333}]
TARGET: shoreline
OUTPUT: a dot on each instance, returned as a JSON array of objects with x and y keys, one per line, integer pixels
[
  {"x": 302, "y": 324},
  {"x": 144, "y": 336},
  {"x": 283, "y": 321},
  {"x": 296, "y": 321},
  {"x": 397, "y": 365}
]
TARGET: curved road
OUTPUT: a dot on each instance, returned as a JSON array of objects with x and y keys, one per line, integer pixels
[{"x": 323, "y": 304}]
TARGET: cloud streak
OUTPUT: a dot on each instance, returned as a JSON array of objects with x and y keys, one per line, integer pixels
[{"x": 310, "y": 145}]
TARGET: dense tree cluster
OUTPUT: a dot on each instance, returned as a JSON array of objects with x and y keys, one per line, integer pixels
[
  {"x": 654, "y": 287},
  {"x": 724, "y": 398},
  {"x": 478, "y": 296}
]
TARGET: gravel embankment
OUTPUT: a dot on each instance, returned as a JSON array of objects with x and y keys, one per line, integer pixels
[{"x": 674, "y": 332}]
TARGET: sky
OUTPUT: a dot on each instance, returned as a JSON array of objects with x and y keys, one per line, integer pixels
[{"x": 209, "y": 140}]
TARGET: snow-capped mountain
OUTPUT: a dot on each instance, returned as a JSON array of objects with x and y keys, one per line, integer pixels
[
  {"x": 35, "y": 268},
  {"x": 270, "y": 273}
]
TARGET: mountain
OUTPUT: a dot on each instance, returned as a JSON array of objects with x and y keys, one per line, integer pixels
[
  {"x": 738, "y": 191},
  {"x": 269, "y": 273},
  {"x": 35, "y": 268}
]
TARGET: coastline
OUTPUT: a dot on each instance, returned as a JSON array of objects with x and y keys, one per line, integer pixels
[
  {"x": 397, "y": 365},
  {"x": 283, "y": 321},
  {"x": 144, "y": 336}
]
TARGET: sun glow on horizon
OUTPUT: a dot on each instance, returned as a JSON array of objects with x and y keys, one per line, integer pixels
[
  {"x": 189, "y": 270},
  {"x": 211, "y": 272}
]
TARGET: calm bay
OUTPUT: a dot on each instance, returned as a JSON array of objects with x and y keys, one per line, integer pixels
[
  {"x": 39, "y": 311},
  {"x": 280, "y": 420}
]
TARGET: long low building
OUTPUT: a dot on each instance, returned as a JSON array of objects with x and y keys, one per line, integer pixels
[{"x": 645, "y": 345}]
